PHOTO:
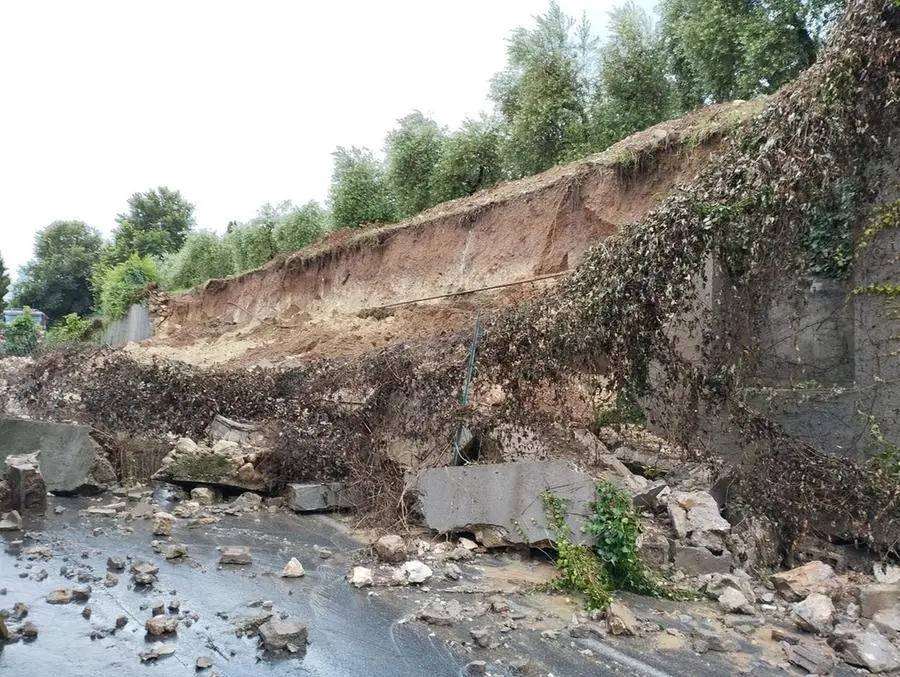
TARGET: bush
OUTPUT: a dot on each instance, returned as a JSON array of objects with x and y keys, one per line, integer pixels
[
  {"x": 22, "y": 334},
  {"x": 251, "y": 245},
  {"x": 300, "y": 227},
  {"x": 203, "y": 257},
  {"x": 121, "y": 285},
  {"x": 72, "y": 329}
]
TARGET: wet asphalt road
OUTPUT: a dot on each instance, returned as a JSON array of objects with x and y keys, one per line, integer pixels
[{"x": 352, "y": 633}]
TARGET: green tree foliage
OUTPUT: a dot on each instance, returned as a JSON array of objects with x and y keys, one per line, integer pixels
[
  {"x": 543, "y": 93},
  {"x": 634, "y": 92},
  {"x": 72, "y": 329},
  {"x": 4, "y": 283},
  {"x": 360, "y": 192},
  {"x": 413, "y": 152},
  {"x": 470, "y": 160},
  {"x": 204, "y": 256},
  {"x": 122, "y": 284},
  {"x": 300, "y": 226},
  {"x": 157, "y": 223},
  {"x": 22, "y": 334},
  {"x": 722, "y": 49},
  {"x": 57, "y": 280}
]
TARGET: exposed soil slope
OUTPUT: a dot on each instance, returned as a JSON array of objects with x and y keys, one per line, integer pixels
[{"x": 329, "y": 299}]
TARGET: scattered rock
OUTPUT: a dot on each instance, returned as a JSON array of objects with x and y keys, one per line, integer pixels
[
  {"x": 888, "y": 621},
  {"x": 5, "y": 634},
  {"x": 247, "y": 502},
  {"x": 86, "y": 612},
  {"x": 29, "y": 630},
  {"x": 238, "y": 555},
  {"x": 115, "y": 564},
  {"x": 111, "y": 580},
  {"x": 204, "y": 496},
  {"x": 733, "y": 601},
  {"x": 886, "y": 573},
  {"x": 869, "y": 649},
  {"x": 361, "y": 577},
  {"x": 318, "y": 497},
  {"x": 293, "y": 569},
  {"x": 60, "y": 597},
  {"x": 815, "y": 614},
  {"x": 157, "y": 652},
  {"x": 699, "y": 561},
  {"x": 176, "y": 551},
  {"x": 475, "y": 669},
  {"x": 780, "y": 635},
  {"x": 452, "y": 571},
  {"x": 224, "y": 465},
  {"x": 121, "y": 622},
  {"x": 434, "y": 616},
  {"x": 415, "y": 571},
  {"x": 27, "y": 488},
  {"x": 391, "y": 549},
  {"x": 481, "y": 637},
  {"x": 654, "y": 547},
  {"x": 796, "y": 584},
  {"x": 19, "y": 611},
  {"x": 654, "y": 497},
  {"x": 161, "y": 625},
  {"x": 159, "y": 608},
  {"x": 144, "y": 573},
  {"x": 278, "y": 634},
  {"x": 11, "y": 521},
  {"x": 620, "y": 620},
  {"x": 163, "y": 523},
  {"x": 204, "y": 663},
  {"x": 498, "y": 604},
  {"x": 467, "y": 543},
  {"x": 711, "y": 640},
  {"x": 811, "y": 661}
]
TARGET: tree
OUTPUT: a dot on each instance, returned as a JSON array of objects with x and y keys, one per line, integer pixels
[
  {"x": 156, "y": 224},
  {"x": 360, "y": 193},
  {"x": 4, "y": 283},
  {"x": 413, "y": 151},
  {"x": 726, "y": 49},
  {"x": 57, "y": 280},
  {"x": 22, "y": 334},
  {"x": 634, "y": 92},
  {"x": 542, "y": 94},
  {"x": 203, "y": 257},
  {"x": 470, "y": 160},
  {"x": 301, "y": 226}
]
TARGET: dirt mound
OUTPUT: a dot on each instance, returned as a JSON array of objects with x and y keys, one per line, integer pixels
[{"x": 330, "y": 299}]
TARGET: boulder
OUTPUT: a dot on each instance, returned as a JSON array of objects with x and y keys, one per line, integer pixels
[
  {"x": 224, "y": 464},
  {"x": 283, "y": 634},
  {"x": 502, "y": 496},
  {"x": 719, "y": 583},
  {"x": 391, "y": 548},
  {"x": 654, "y": 547},
  {"x": 700, "y": 561},
  {"x": 60, "y": 596},
  {"x": 70, "y": 461},
  {"x": 798, "y": 583},
  {"x": 809, "y": 660},
  {"x": 176, "y": 551},
  {"x": 414, "y": 571},
  {"x": 293, "y": 569},
  {"x": 161, "y": 625},
  {"x": 144, "y": 573},
  {"x": 815, "y": 614},
  {"x": 163, "y": 523},
  {"x": 204, "y": 495},
  {"x": 878, "y": 597},
  {"x": 733, "y": 601},
  {"x": 27, "y": 488},
  {"x": 695, "y": 516},
  {"x": 237, "y": 555},
  {"x": 247, "y": 502},
  {"x": 621, "y": 620},
  {"x": 318, "y": 497},
  {"x": 239, "y": 432},
  {"x": 654, "y": 497},
  {"x": 868, "y": 649}
]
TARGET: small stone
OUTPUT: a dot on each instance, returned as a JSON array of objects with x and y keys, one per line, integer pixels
[
  {"x": 435, "y": 617},
  {"x": 144, "y": 573},
  {"x": 121, "y": 622},
  {"x": 361, "y": 577},
  {"x": 115, "y": 564},
  {"x": 111, "y": 580},
  {"x": 391, "y": 549},
  {"x": 176, "y": 551},
  {"x": 11, "y": 521},
  {"x": 159, "y": 608},
  {"x": 86, "y": 612},
  {"x": 620, "y": 620},
  {"x": 5, "y": 634},
  {"x": 163, "y": 523},
  {"x": 174, "y": 605},
  {"x": 475, "y": 669},
  {"x": 481, "y": 637},
  {"x": 59, "y": 510},
  {"x": 467, "y": 543},
  {"x": 498, "y": 604},
  {"x": 237, "y": 555},
  {"x": 81, "y": 594},
  {"x": 415, "y": 571},
  {"x": 161, "y": 625},
  {"x": 452, "y": 571},
  {"x": 29, "y": 630},
  {"x": 713, "y": 640},
  {"x": 779, "y": 635},
  {"x": 293, "y": 569},
  {"x": 19, "y": 611},
  {"x": 203, "y": 662},
  {"x": 733, "y": 601}
]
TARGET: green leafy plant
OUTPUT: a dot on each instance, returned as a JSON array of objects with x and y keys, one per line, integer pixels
[
  {"x": 72, "y": 329},
  {"x": 122, "y": 285},
  {"x": 22, "y": 334}
]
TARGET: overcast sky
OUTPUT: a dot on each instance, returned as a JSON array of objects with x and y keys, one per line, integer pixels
[{"x": 233, "y": 103}]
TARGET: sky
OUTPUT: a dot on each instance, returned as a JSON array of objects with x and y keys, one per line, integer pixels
[{"x": 235, "y": 104}]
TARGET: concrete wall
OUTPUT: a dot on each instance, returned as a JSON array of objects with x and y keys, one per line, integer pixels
[{"x": 136, "y": 326}]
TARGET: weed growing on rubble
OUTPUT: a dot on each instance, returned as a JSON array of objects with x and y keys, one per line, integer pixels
[{"x": 613, "y": 563}]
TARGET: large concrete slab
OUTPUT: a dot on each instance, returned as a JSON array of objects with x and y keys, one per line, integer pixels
[
  {"x": 70, "y": 460},
  {"x": 506, "y": 496}
]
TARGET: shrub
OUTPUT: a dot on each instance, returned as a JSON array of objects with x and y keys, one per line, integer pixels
[
  {"x": 300, "y": 227},
  {"x": 251, "y": 245},
  {"x": 121, "y": 285},
  {"x": 203, "y": 257},
  {"x": 72, "y": 329},
  {"x": 22, "y": 334}
]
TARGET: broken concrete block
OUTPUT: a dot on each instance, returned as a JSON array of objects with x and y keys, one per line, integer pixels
[
  {"x": 70, "y": 461},
  {"x": 237, "y": 555},
  {"x": 318, "y": 497},
  {"x": 361, "y": 577},
  {"x": 503, "y": 495}
]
